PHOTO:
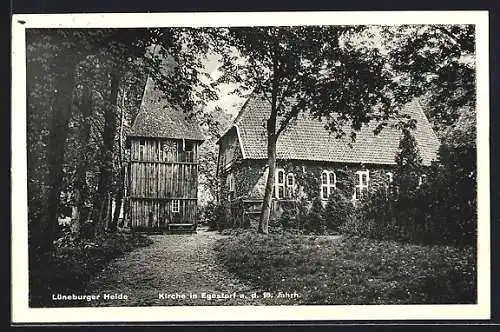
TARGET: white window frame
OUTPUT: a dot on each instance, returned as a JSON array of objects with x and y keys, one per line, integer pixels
[
  {"x": 142, "y": 147},
  {"x": 390, "y": 177},
  {"x": 188, "y": 154},
  {"x": 230, "y": 180},
  {"x": 290, "y": 188},
  {"x": 359, "y": 183},
  {"x": 330, "y": 187},
  {"x": 176, "y": 206},
  {"x": 421, "y": 180},
  {"x": 161, "y": 153},
  {"x": 278, "y": 185}
]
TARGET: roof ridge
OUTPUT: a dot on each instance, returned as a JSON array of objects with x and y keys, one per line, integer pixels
[
  {"x": 309, "y": 140},
  {"x": 244, "y": 106},
  {"x": 149, "y": 82},
  {"x": 238, "y": 117}
]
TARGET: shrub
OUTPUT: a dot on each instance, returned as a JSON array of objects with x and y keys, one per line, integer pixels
[
  {"x": 392, "y": 214},
  {"x": 337, "y": 211},
  {"x": 219, "y": 217},
  {"x": 442, "y": 210},
  {"x": 288, "y": 219},
  {"x": 208, "y": 215},
  {"x": 355, "y": 225},
  {"x": 214, "y": 216},
  {"x": 302, "y": 214},
  {"x": 315, "y": 222},
  {"x": 67, "y": 238},
  {"x": 450, "y": 205},
  {"x": 87, "y": 231},
  {"x": 375, "y": 217}
]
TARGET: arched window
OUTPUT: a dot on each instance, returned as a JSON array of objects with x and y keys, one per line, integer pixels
[
  {"x": 388, "y": 183},
  {"x": 290, "y": 185},
  {"x": 280, "y": 184},
  {"x": 328, "y": 183},
  {"x": 361, "y": 184},
  {"x": 230, "y": 185}
]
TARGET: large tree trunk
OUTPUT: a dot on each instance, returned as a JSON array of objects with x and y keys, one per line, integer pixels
[
  {"x": 55, "y": 151},
  {"x": 119, "y": 199},
  {"x": 37, "y": 167},
  {"x": 106, "y": 174},
  {"x": 272, "y": 138},
  {"x": 268, "y": 193},
  {"x": 81, "y": 190},
  {"x": 121, "y": 180}
]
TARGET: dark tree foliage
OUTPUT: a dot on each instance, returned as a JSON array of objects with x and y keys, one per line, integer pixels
[
  {"x": 436, "y": 62},
  {"x": 440, "y": 208},
  {"x": 214, "y": 216},
  {"x": 337, "y": 211},
  {"x": 296, "y": 69},
  {"x": 214, "y": 123},
  {"x": 451, "y": 186},
  {"x": 50, "y": 54},
  {"x": 408, "y": 164},
  {"x": 84, "y": 87}
]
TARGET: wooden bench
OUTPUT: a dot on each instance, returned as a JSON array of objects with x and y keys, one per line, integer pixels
[{"x": 177, "y": 228}]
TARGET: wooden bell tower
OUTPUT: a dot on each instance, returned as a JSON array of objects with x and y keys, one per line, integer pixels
[{"x": 163, "y": 166}]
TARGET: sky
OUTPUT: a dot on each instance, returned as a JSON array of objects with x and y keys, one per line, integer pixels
[{"x": 231, "y": 103}]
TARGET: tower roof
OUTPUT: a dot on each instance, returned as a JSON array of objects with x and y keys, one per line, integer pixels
[{"x": 157, "y": 118}]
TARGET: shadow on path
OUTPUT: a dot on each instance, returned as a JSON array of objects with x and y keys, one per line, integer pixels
[{"x": 171, "y": 271}]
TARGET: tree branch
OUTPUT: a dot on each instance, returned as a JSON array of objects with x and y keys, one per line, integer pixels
[
  {"x": 468, "y": 47},
  {"x": 284, "y": 123}
]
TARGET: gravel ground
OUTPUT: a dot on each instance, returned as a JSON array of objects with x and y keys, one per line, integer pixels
[{"x": 172, "y": 271}]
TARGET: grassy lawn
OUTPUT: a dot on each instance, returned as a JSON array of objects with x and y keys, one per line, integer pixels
[
  {"x": 70, "y": 268},
  {"x": 333, "y": 270}
]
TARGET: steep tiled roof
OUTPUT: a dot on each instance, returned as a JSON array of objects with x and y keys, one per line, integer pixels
[
  {"x": 157, "y": 118},
  {"x": 309, "y": 140}
]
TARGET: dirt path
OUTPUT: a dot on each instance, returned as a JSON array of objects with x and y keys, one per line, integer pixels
[{"x": 167, "y": 272}]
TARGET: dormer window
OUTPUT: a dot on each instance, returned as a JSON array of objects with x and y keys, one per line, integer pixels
[{"x": 328, "y": 183}]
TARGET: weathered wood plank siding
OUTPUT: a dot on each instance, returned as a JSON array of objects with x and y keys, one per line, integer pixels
[{"x": 162, "y": 173}]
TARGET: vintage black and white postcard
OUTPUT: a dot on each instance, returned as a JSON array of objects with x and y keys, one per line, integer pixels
[{"x": 195, "y": 167}]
